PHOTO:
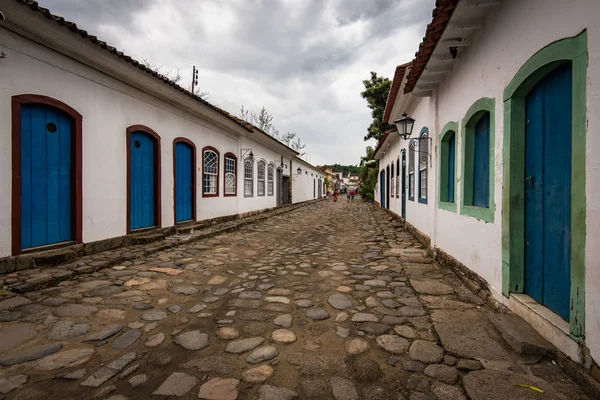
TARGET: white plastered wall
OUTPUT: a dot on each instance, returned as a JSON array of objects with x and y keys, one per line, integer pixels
[
  {"x": 305, "y": 185},
  {"x": 510, "y": 38},
  {"x": 108, "y": 107},
  {"x": 256, "y": 202}
]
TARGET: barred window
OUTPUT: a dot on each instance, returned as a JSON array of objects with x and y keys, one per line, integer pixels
[
  {"x": 270, "y": 180},
  {"x": 230, "y": 175},
  {"x": 423, "y": 151},
  {"x": 211, "y": 173},
  {"x": 248, "y": 178},
  {"x": 261, "y": 178},
  {"x": 398, "y": 177},
  {"x": 392, "y": 180},
  {"x": 411, "y": 173}
]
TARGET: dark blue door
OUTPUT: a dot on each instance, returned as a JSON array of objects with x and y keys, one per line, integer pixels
[
  {"x": 450, "y": 166},
  {"x": 46, "y": 173},
  {"x": 382, "y": 186},
  {"x": 481, "y": 162},
  {"x": 184, "y": 184},
  {"x": 387, "y": 188},
  {"x": 548, "y": 191},
  {"x": 142, "y": 195}
]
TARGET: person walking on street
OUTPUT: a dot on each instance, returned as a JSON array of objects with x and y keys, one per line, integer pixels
[{"x": 352, "y": 194}]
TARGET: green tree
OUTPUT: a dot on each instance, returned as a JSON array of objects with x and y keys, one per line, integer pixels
[
  {"x": 376, "y": 93},
  {"x": 369, "y": 154},
  {"x": 368, "y": 177},
  {"x": 347, "y": 169}
]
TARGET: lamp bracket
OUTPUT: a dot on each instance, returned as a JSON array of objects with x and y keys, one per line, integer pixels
[
  {"x": 415, "y": 145},
  {"x": 246, "y": 151}
]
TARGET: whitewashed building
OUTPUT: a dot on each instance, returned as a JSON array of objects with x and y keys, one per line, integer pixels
[
  {"x": 500, "y": 173},
  {"x": 93, "y": 145},
  {"x": 308, "y": 181}
]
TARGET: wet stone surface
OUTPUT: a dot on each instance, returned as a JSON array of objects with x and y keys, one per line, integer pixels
[{"x": 329, "y": 301}]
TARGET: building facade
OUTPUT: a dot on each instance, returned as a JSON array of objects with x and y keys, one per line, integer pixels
[
  {"x": 93, "y": 145},
  {"x": 499, "y": 172}
]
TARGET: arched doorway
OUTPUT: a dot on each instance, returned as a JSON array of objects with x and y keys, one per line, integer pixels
[
  {"x": 47, "y": 173},
  {"x": 143, "y": 178},
  {"x": 387, "y": 186},
  {"x": 544, "y": 180},
  {"x": 382, "y": 188},
  {"x": 548, "y": 191},
  {"x": 184, "y": 174}
]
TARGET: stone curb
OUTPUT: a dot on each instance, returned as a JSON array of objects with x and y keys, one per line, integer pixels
[{"x": 146, "y": 249}]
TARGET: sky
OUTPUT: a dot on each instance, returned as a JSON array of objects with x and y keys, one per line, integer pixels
[{"x": 304, "y": 60}]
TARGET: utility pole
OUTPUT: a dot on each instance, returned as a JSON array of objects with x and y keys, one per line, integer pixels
[{"x": 194, "y": 78}]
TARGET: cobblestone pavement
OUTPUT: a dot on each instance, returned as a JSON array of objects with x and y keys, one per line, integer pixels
[{"x": 329, "y": 301}]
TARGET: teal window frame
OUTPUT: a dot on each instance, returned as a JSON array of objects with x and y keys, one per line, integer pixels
[
  {"x": 423, "y": 136},
  {"x": 451, "y": 128},
  {"x": 472, "y": 116},
  {"x": 411, "y": 163}
]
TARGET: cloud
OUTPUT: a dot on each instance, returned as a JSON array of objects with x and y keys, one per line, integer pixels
[{"x": 303, "y": 60}]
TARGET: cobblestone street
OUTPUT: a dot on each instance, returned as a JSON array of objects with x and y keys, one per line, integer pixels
[{"x": 327, "y": 301}]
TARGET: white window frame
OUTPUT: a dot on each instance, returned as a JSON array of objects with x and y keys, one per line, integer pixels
[
  {"x": 260, "y": 177},
  {"x": 392, "y": 180},
  {"x": 270, "y": 175},
  {"x": 248, "y": 177},
  {"x": 210, "y": 173},
  {"x": 230, "y": 176},
  {"x": 423, "y": 172}
]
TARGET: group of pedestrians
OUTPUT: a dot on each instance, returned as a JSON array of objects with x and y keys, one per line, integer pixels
[{"x": 350, "y": 194}]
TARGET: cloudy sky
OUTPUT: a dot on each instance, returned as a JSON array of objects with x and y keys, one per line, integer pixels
[{"x": 304, "y": 60}]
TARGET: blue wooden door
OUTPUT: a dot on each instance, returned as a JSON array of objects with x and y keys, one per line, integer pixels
[
  {"x": 184, "y": 183},
  {"x": 142, "y": 191},
  {"x": 404, "y": 184},
  {"x": 46, "y": 176},
  {"x": 548, "y": 191},
  {"x": 481, "y": 162},
  {"x": 450, "y": 166},
  {"x": 382, "y": 186},
  {"x": 387, "y": 188}
]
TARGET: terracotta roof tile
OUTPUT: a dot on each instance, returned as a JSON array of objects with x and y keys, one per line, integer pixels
[
  {"x": 441, "y": 15},
  {"x": 396, "y": 83},
  {"x": 382, "y": 140},
  {"x": 34, "y": 6}
]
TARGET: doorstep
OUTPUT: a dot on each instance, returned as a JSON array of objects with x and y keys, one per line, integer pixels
[{"x": 548, "y": 324}]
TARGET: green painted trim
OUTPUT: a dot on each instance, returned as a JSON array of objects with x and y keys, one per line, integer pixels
[
  {"x": 451, "y": 126},
  {"x": 474, "y": 113},
  {"x": 572, "y": 50},
  {"x": 424, "y": 135},
  {"x": 539, "y": 65}
]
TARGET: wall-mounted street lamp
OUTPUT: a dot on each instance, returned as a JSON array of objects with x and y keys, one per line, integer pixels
[
  {"x": 404, "y": 126},
  {"x": 250, "y": 156},
  {"x": 415, "y": 145}
]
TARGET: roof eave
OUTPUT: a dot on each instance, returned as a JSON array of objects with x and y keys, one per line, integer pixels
[
  {"x": 454, "y": 24},
  {"x": 66, "y": 38}
]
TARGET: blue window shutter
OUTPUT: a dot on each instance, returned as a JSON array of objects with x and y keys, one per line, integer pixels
[
  {"x": 451, "y": 164},
  {"x": 481, "y": 162}
]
